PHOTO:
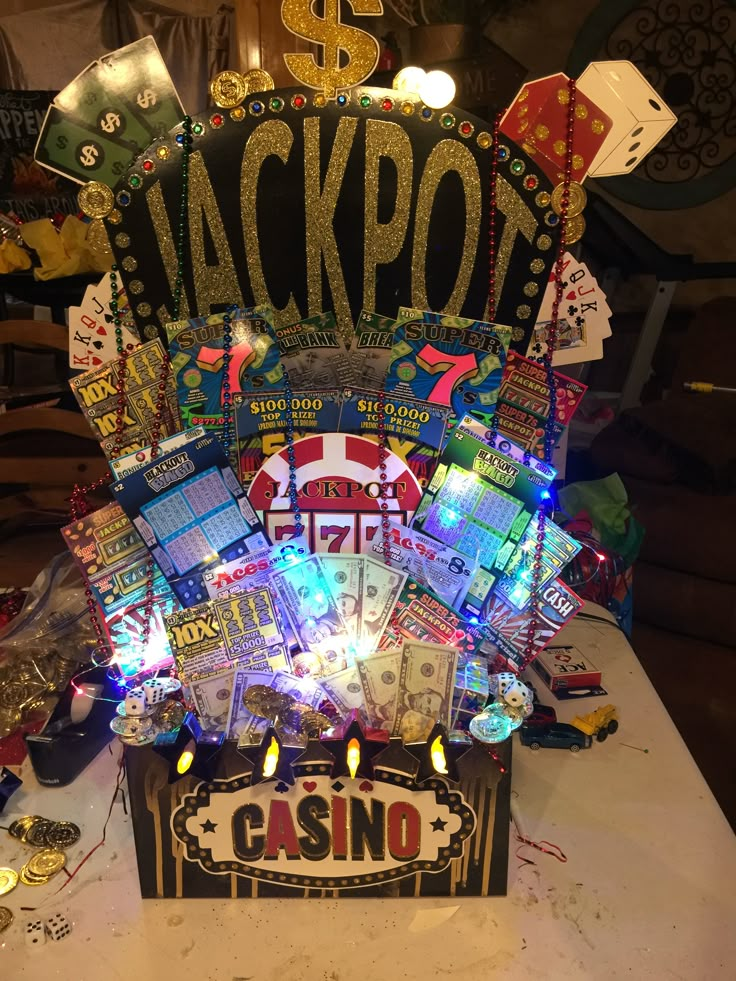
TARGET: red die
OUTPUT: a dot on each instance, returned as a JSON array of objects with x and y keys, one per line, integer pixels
[{"x": 537, "y": 120}]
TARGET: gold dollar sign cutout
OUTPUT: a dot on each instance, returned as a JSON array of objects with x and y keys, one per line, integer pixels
[{"x": 361, "y": 48}]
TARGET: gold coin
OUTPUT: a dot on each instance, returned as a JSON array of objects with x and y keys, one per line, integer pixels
[
  {"x": 258, "y": 80},
  {"x": 21, "y": 825},
  {"x": 36, "y": 834},
  {"x": 47, "y": 862},
  {"x": 228, "y": 89},
  {"x": 97, "y": 239},
  {"x": 574, "y": 229},
  {"x": 63, "y": 834},
  {"x": 6, "y": 918},
  {"x": 8, "y": 881},
  {"x": 577, "y": 199},
  {"x": 96, "y": 200},
  {"x": 29, "y": 879},
  {"x": 266, "y": 702},
  {"x": 315, "y": 722}
]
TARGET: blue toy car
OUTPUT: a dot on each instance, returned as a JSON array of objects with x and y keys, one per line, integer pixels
[{"x": 555, "y": 735}]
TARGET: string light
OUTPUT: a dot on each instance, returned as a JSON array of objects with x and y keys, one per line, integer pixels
[
  {"x": 437, "y": 89},
  {"x": 439, "y": 760},
  {"x": 271, "y": 760},
  {"x": 353, "y": 756}
]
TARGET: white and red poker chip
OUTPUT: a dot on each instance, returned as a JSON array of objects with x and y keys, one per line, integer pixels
[{"x": 335, "y": 472}]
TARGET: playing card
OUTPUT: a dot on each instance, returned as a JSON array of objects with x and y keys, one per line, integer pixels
[{"x": 92, "y": 331}]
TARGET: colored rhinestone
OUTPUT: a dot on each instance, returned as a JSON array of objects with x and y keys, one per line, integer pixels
[
  {"x": 466, "y": 129},
  {"x": 531, "y": 181},
  {"x": 387, "y": 104},
  {"x": 551, "y": 219},
  {"x": 503, "y": 153},
  {"x": 180, "y": 139},
  {"x": 543, "y": 199},
  {"x": 342, "y": 99},
  {"x": 163, "y": 152},
  {"x": 134, "y": 181},
  {"x": 426, "y": 114},
  {"x": 256, "y": 107},
  {"x": 198, "y": 129},
  {"x": 114, "y": 217},
  {"x": 484, "y": 140},
  {"x": 217, "y": 120},
  {"x": 407, "y": 108},
  {"x": 365, "y": 101},
  {"x": 149, "y": 166},
  {"x": 319, "y": 100},
  {"x": 276, "y": 104},
  {"x": 517, "y": 167},
  {"x": 298, "y": 101},
  {"x": 447, "y": 120},
  {"x": 237, "y": 114}
]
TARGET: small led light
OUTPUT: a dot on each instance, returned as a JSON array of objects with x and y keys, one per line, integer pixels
[
  {"x": 353, "y": 757},
  {"x": 271, "y": 760},
  {"x": 437, "y": 89},
  {"x": 437, "y": 750},
  {"x": 185, "y": 760},
  {"x": 409, "y": 79},
  {"x": 546, "y": 496}
]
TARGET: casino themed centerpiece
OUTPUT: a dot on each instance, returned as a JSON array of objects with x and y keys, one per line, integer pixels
[{"x": 330, "y": 417}]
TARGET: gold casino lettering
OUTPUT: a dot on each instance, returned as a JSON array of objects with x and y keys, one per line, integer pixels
[{"x": 383, "y": 240}]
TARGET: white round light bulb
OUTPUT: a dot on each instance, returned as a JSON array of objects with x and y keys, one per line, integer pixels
[
  {"x": 437, "y": 89},
  {"x": 409, "y": 79}
]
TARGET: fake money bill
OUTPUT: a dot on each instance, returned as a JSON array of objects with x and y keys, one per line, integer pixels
[
  {"x": 344, "y": 574},
  {"x": 308, "y": 603},
  {"x": 344, "y": 689},
  {"x": 381, "y": 589},
  {"x": 379, "y": 679},
  {"x": 240, "y": 719},
  {"x": 213, "y": 697},
  {"x": 426, "y": 686}
]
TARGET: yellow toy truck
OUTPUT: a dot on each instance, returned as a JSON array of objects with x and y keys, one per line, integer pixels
[{"x": 600, "y": 723}]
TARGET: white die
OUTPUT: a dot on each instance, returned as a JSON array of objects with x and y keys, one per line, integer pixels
[
  {"x": 504, "y": 680},
  {"x": 639, "y": 116},
  {"x": 135, "y": 702},
  {"x": 58, "y": 927},
  {"x": 517, "y": 694},
  {"x": 155, "y": 691},
  {"x": 35, "y": 937}
]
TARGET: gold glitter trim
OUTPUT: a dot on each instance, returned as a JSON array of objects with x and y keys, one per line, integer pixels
[
  {"x": 536, "y": 266},
  {"x": 524, "y": 311},
  {"x": 115, "y": 217},
  {"x": 517, "y": 334},
  {"x": 273, "y": 138},
  {"x": 598, "y": 126},
  {"x": 544, "y": 242},
  {"x": 135, "y": 286},
  {"x": 129, "y": 263},
  {"x": 577, "y": 162},
  {"x": 143, "y": 309},
  {"x": 523, "y": 111},
  {"x": 581, "y": 111},
  {"x": 319, "y": 101},
  {"x": 448, "y": 155},
  {"x": 563, "y": 96},
  {"x": 122, "y": 240},
  {"x": 524, "y": 96},
  {"x": 216, "y": 283},
  {"x": 320, "y": 200},
  {"x": 162, "y": 230},
  {"x": 383, "y": 242},
  {"x": 531, "y": 289},
  {"x": 541, "y": 131},
  {"x": 559, "y": 147},
  {"x": 519, "y": 220}
]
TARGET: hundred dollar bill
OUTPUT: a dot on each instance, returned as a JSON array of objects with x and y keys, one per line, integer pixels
[
  {"x": 379, "y": 679},
  {"x": 344, "y": 689},
  {"x": 345, "y": 575},
  {"x": 426, "y": 686},
  {"x": 381, "y": 589},
  {"x": 212, "y": 697}
]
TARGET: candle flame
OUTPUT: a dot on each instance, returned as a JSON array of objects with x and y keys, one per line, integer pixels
[
  {"x": 184, "y": 761},
  {"x": 353, "y": 757},
  {"x": 438, "y": 755},
  {"x": 272, "y": 758}
]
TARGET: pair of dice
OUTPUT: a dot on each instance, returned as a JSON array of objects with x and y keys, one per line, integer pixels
[
  {"x": 56, "y": 927},
  {"x": 513, "y": 691},
  {"x": 140, "y": 701}
]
